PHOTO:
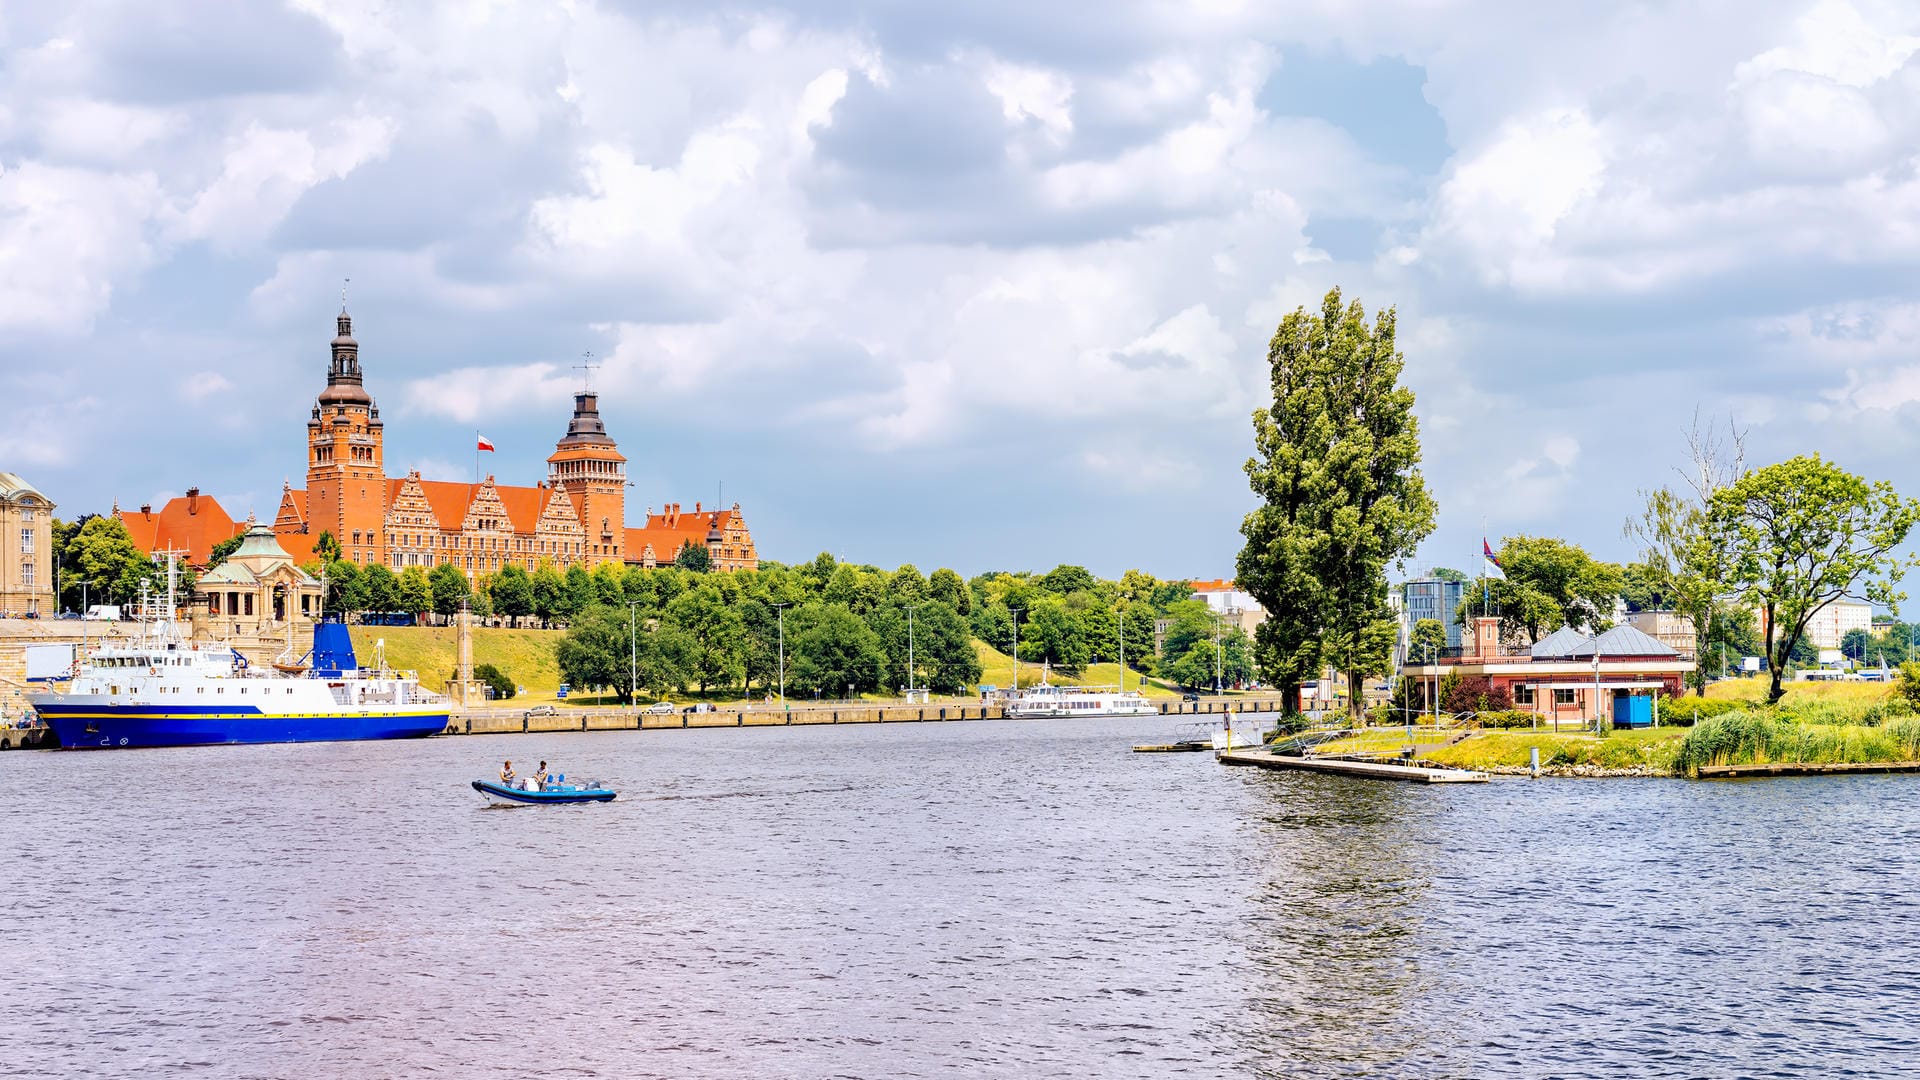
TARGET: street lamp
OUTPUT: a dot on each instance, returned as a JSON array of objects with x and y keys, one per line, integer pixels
[
  {"x": 780, "y": 623},
  {"x": 633, "y": 654},
  {"x": 1016, "y": 647},
  {"x": 911, "y": 609}
]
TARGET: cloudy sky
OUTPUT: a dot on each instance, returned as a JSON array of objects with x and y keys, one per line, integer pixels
[{"x": 981, "y": 285}]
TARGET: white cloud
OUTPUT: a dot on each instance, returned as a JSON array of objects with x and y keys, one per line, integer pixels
[
  {"x": 265, "y": 170},
  {"x": 68, "y": 237}
]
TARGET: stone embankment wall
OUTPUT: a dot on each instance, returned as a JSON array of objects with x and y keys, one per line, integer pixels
[{"x": 507, "y": 721}]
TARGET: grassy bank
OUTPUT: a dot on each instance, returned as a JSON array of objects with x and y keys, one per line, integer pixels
[
  {"x": 525, "y": 655},
  {"x": 996, "y": 669},
  {"x": 1761, "y": 737},
  {"x": 1753, "y": 691},
  {"x": 1651, "y": 750}
]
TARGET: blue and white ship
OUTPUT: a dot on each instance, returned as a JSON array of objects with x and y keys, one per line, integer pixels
[{"x": 158, "y": 689}]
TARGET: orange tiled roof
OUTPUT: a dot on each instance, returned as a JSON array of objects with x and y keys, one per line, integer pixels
[
  {"x": 669, "y": 532},
  {"x": 524, "y": 505},
  {"x": 299, "y": 501},
  {"x": 189, "y": 523},
  {"x": 1214, "y": 585}
]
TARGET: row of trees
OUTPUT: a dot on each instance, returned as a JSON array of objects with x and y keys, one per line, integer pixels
[{"x": 851, "y": 628}]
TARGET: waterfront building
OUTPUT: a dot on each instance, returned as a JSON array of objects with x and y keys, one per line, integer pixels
[
  {"x": 576, "y": 516},
  {"x": 1557, "y": 677},
  {"x": 1668, "y": 627},
  {"x": 1438, "y": 599},
  {"x": 26, "y": 549},
  {"x": 1226, "y": 598},
  {"x": 188, "y": 525},
  {"x": 256, "y": 590},
  {"x": 1829, "y": 624}
]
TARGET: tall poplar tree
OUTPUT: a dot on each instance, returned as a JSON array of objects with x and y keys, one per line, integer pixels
[{"x": 1337, "y": 469}]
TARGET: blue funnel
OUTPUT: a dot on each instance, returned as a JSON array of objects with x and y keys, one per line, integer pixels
[{"x": 332, "y": 650}]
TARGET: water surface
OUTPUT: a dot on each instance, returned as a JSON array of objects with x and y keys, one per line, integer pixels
[{"x": 982, "y": 898}]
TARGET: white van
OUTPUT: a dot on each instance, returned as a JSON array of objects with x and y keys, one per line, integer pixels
[{"x": 103, "y": 613}]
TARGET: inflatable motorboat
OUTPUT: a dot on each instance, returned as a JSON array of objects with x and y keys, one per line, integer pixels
[{"x": 526, "y": 791}]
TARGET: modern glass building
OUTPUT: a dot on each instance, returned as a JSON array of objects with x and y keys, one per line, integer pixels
[{"x": 1437, "y": 599}]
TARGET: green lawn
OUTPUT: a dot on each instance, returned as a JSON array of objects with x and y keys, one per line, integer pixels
[
  {"x": 525, "y": 655},
  {"x": 996, "y": 669},
  {"x": 1655, "y": 748}
]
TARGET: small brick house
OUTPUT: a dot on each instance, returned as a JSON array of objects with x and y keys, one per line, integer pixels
[{"x": 1564, "y": 676}]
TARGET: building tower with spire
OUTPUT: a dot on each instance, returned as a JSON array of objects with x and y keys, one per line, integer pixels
[
  {"x": 587, "y": 465},
  {"x": 346, "y": 472}
]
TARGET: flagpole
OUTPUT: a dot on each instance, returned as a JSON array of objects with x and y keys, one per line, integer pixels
[{"x": 476, "y": 457}]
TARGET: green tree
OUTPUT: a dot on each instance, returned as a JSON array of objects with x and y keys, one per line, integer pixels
[
  {"x": 1448, "y": 573},
  {"x": 637, "y": 586},
  {"x": 948, "y": 588},
  {"x": 449, "y": 587},
  {"x": 833, "y": 649},
  {"x": 944, "y": 658},
  {"x": 718, "y": 635},
  {"x": 1855, "y": 643},
  {"x": 599, "y": 649},
  {"x": 693, "y": 558},
  {"x": 1189, "y": 656},
  {"x": 480, "y": 599},
  {"x": 1793, "y": 537},
  {"x": 1643, "y": 587},
  {"x": 512, "y": 590},
  {"x": 609, "y": 585},
  {"x": 105, "y": 555},
  {"x": 1064, "y": 579},
  {"x": 1337, "y": 473},
  {"x": 415, "y": 592},
  {"x": 503, "y": 687},
  {"x": 579, "y": 593},
  {"x": 1580, "y": 589},
  {"x": 549, "y": 592},
  {"x": 1427, "y": 634},
  {"x": 346, "y": 588},
  {"x": 326, "y": 547},
  {"x": 223, "y": 549},
  {"x": 1139, "y": 620},
  {"x": 383, "y": 588},
  {"x": 906, "y": 586},
  {"x": 1053, "y": 634},
  {"x": 1677, "y": 558}
]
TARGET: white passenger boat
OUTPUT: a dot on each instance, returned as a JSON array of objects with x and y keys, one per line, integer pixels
[{"x": 1046, "y": 702}]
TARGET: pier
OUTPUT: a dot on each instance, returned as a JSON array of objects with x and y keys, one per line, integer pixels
[{"x": 1366, "y": 770}]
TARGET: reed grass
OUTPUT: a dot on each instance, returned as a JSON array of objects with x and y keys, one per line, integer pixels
[{"x": 1760, "y": 737}]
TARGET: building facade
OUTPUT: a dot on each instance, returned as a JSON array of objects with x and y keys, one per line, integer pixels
[
  {"x": 1829, "y": 625},
  {"x": 576, "y": 516},
  {"x": 256, "y": 590},
  {"x": 26, "y": 549},
  {"x": 1437, "y": 599},
  {"x": 1566, "y": 677},
  {"x": 1670, "y": 628}
]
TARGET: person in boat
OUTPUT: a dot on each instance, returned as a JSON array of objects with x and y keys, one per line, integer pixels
[
  {"x": 506, "y": 774},
  {"x": 540, "y": 777}
]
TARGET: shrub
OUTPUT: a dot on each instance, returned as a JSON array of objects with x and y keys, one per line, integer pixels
[
  {"x": 1473, "y": 693},
  {"x": 1508, "y": 718},
  {"x": 1908, "y": 685},
  {"x": 1685, "y": 711},
  {"x": 503, "y": 687}
]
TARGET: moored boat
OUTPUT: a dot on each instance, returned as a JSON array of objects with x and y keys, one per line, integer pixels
[
  {"x": 160, "y": 689},
  {"x": 1047, "y": 702}
]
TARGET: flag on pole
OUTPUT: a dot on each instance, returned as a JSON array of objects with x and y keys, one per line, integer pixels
[
  {"x": 485, "y": 444},
  {"x": 1492, "y": 568}
]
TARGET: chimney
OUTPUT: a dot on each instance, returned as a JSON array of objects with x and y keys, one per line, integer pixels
[
  {"x": 696, "y": 506},
  {"x": 193, "y": 500},
  {"x": 1486, "y": 637},
  {"x": 146, "y": 510}
]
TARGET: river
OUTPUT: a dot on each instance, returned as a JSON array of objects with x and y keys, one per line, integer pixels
[{"x": 991, "y": 899}]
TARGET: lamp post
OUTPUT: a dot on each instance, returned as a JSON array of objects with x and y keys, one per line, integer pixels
[
  {"x": 780, "y": 624},
  {"x": 911, "y": 610},
  {"x": 633, "y": 654},
  {"x": 1016, "y": 647}
]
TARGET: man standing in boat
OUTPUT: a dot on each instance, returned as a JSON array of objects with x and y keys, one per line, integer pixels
[{"x": 506, "y": 774}]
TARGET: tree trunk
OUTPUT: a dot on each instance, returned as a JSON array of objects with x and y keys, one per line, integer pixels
[{"x": 1356, "y": 695}]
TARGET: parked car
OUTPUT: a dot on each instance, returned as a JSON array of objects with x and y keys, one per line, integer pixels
[
  {"x": 1189, "y": 696},
  {"x": 698, "y": 707},
  {"x": 542, "y": 710},
  {"x": 103, "y": 613},
  {"x": 659, "y": 708}
]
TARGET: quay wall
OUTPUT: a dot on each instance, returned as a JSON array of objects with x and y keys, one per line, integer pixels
[{"x": 501, "y": 721}]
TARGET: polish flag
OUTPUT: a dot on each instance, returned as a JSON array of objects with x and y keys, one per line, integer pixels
[{"x": 485, "y": 443}]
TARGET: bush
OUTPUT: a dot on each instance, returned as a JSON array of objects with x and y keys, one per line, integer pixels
[
  {"x": 1760, "y": 736},
  {"x": 1507, "y": 718},
  {"x": 1908, "y": 685},
  {"x": 1686, "y": 711},
  {"x": 1473, "y": 693},
  {"x": 503, "y": 687}
]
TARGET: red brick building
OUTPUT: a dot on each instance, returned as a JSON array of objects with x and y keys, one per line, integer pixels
[
  {"x": 577, "y": 516},
  {"x": 1564, "y": 676}
]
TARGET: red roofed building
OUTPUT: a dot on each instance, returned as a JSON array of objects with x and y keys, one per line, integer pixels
[
  {"x": 722, "y": 532},
  {"x": 577, "y": 516},
  {"x": 190, "y": 524}
]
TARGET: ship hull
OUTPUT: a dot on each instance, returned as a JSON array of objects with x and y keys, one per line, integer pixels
[{"x": 88, "y": 726}]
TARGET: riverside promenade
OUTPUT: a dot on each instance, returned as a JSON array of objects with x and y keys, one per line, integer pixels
[{"x": 511, "y": 721}]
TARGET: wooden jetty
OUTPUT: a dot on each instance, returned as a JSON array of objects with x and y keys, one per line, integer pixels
[
  {"x": 1804, "y": 768},
  {"x": 1365, "y": 770}
]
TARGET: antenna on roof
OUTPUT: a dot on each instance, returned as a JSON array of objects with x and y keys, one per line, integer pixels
[
  {"x": 585, "y": 367},
  {"x": 344, "y": 282}
]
